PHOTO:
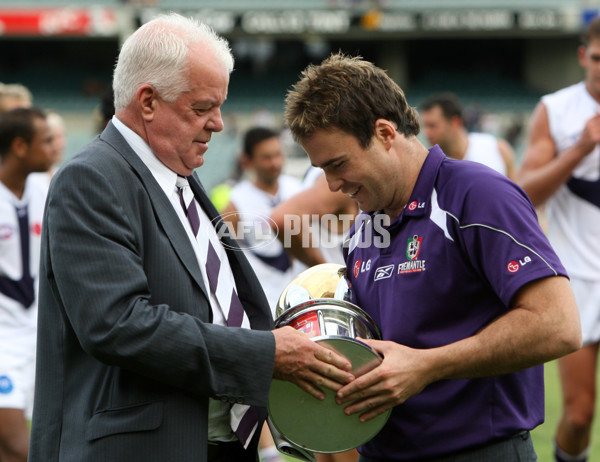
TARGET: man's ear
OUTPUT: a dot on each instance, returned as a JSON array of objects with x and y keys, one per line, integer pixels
[
  {"x": 457, "y": 122},
  {"x": 245, "y": 161},
  {"x": 19, "y": 146},
  {"x": 147, "y": 98},
  {"x": 581, "y": 55},
  {"x": 385, "y": 131}
]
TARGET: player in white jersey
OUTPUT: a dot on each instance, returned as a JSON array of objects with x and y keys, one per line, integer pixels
[
  {"x": 269, "y": 260},
  {"x": 58, "y": 129},
  {"x": 250, "y": 205},
  {"x": 443, "y": 124},
  {"x": 25, "y": 147},
  {"x": 561, "y": 167}
]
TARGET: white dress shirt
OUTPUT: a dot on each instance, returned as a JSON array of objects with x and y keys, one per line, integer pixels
[{"x": 219, "y": 428}]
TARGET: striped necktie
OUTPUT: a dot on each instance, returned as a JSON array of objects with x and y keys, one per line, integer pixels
[
  {"x": 244, "y": 419},
  {"x": 186, "y": 198}
]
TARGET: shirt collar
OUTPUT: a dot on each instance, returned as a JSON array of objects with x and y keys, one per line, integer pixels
[
  {"x": 419, "y": 202},
  {"x": 163, "y": 175}
]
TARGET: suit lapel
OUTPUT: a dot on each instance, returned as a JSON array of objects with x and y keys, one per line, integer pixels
[{"x": 167, "y": 217}]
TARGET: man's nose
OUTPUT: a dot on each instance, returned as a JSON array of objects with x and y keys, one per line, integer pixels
[
  {"x": 215, "y": 123},
  {"x": 335, "y": 184}
]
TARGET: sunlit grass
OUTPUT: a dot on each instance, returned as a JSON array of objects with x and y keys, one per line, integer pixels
[{"x": 543, "y": 435}]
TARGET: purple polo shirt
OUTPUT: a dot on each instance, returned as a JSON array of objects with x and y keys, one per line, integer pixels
[{"x": 450, "y": 264}]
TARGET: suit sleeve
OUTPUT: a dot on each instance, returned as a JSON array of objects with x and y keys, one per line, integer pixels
[{"x": 128, "y": 312}]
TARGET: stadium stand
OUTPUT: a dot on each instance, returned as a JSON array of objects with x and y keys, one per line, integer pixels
[{"x": 70, "y": 73}]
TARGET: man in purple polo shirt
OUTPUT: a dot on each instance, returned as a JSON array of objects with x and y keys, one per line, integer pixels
[{"x": 449, "y": 260}]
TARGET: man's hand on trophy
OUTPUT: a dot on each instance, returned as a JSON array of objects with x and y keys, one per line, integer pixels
[
  {"x": 403, "y": 373},
  {"x": 307, "y": 364}
]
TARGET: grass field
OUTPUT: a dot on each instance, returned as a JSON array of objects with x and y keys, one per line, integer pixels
[{"x": 544, "y": 434}]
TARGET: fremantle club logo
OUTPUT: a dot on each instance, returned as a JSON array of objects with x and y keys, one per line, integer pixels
[{"x": 413, "y": 248}]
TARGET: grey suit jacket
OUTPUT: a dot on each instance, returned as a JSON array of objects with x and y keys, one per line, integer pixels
[{"x": 127, "y": 356}]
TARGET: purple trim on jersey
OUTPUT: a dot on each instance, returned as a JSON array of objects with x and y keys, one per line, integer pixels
[
  {"x": 22, "y": 290},
  {"x": 456, "y": 258}
]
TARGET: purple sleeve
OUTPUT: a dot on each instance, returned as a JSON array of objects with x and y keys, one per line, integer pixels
[{"x": 499, "y": 232}]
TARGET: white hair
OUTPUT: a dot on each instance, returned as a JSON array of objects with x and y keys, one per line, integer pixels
[{"x": 157, "y": 54}]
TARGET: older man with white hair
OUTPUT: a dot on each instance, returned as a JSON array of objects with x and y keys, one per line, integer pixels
[{"x": 155, "y": 339}]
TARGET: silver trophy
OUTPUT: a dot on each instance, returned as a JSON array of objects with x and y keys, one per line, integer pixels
[{"x": 317, "y": 303}]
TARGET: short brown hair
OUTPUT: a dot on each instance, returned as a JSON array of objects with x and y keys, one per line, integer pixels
[
  {"x": 18, "y": 123},
  {"x": 350, "y": 94},
  {"x": 447, "y": 102}
]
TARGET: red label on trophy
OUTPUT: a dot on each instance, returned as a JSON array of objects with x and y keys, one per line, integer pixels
[{"x": 308, "y": 323}]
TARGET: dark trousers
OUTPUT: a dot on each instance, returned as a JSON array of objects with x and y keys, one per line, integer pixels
[
  {"x": 519, "y": 448},
  {"x": 231, "y": 452}
]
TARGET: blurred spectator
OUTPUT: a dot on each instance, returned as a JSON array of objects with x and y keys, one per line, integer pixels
[
  {"x": 14, "y": 95},
  {"x": 443, "y": 124},
  {"x": 59, "y": 137},
  {"x": 560, "y": 170},
  {"x": 472, "y": 116},
  {"x": 250, "y": 205},
  {"x": 59, "y": 140},
  {"x": 25, "y": 147},
  {"x": 514, "y": 131}
]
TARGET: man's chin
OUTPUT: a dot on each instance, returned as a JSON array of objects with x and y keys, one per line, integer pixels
[{"x": 198, "y": 161}]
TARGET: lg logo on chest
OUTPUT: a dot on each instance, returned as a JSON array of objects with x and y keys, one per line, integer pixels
[
  {"x": 361, "y": 267},
  {"x": 416, "y": 205}
]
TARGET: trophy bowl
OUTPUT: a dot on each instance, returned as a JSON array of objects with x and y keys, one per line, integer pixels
[{"x": 317, "y": 303}]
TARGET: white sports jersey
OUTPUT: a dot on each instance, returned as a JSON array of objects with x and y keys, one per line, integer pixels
[
  {"x": 330, "y": 243},
  {"x": 264, "y": 251},
  {"x": 574, "y": 210},
  {"x": 20, "y": 220},
  {"x": 42, "y": 178},
  {"x": 483, "y": 148}
]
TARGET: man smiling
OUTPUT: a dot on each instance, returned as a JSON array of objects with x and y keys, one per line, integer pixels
[{"x": 485, "y": 301}]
